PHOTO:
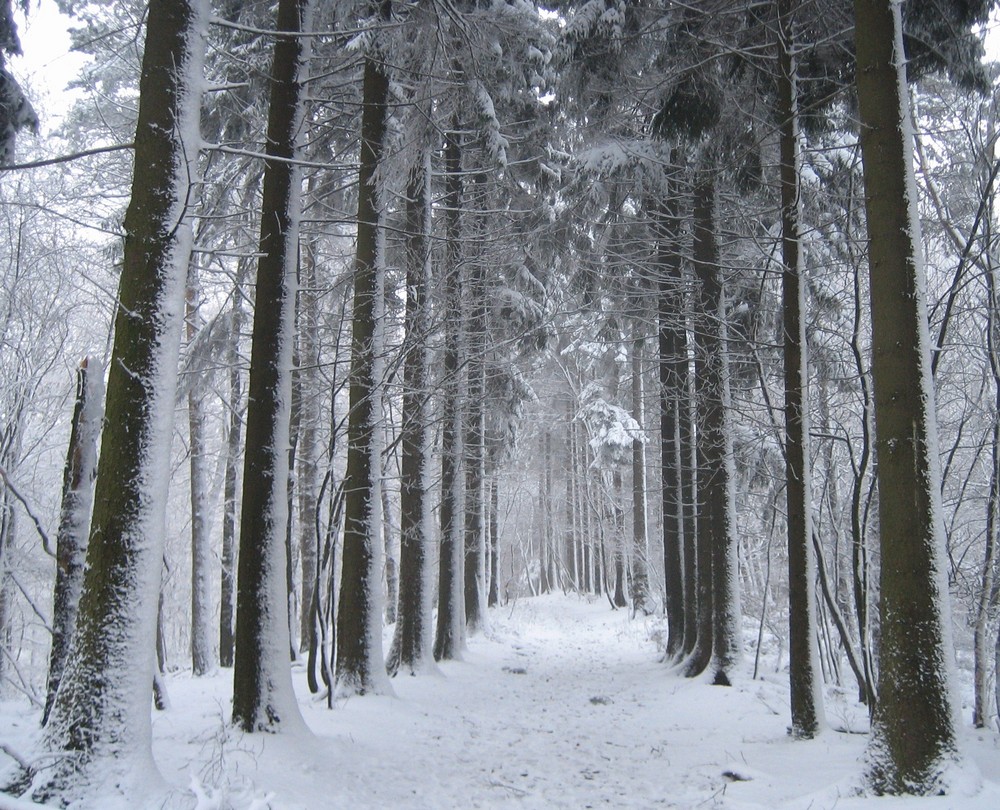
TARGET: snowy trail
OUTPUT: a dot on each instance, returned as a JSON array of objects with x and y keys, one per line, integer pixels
[{"x": 563, "y": 705}]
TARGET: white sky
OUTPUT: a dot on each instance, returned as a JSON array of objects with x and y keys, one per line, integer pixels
[{"x": 47, "y": 65}]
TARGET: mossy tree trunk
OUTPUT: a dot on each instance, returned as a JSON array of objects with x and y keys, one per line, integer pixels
[
  {"x": 263, "y": 699},
  {"x": 101, "y": 710},
  {"x": 913, "y": 741}
]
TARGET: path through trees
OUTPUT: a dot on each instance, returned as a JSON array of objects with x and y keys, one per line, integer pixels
[{"x": 566, "y": 705}]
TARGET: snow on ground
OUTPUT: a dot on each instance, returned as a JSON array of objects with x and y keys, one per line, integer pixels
[{"x": 564, "y": 705}]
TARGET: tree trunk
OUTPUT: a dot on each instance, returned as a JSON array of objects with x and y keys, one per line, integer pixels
[
  {"x": 360, "y": 665},
  {"x": 450, "y": 638},
  {"x": 262, "y": 688},
  {"x": 913, "y": 742},
  {"x": 229, "y": 492},
  {"x": 804, "y": 678},
  {"x": 101, "y": 711},
  {"x": 690, "y": 478},
  {"x": 74, "y": 517},
  {"x": 307, "y": 449},
  {"x": 201, "y": 549},
  {"x": 640, "y": 541},
  {"x": 494, "y": 525},
  {"x": 672, "y": 367},
  {"x": 717, "y": 564},
  {"x": 411, "y": 645},
  {"x": 618, "y": 522},
  {"x": 475, "y": 449}
]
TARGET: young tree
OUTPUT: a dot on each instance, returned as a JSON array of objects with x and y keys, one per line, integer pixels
[
  {"x": 262, "y": 687},
  {"x": 100, "y": 718},
  {"x": 913, "y": 742}
]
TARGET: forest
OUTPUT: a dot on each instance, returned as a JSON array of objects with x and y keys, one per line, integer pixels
[{"x": 363, "y": 360}]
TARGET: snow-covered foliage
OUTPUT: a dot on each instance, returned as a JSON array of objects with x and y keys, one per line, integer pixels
[{"x": 612, "y": 430}]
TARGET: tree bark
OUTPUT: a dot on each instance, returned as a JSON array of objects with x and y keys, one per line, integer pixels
[
  {"x": 360, "y": 665},
  {"x": 101, "y": 711},
  {"x": 450, "y": 638},
  {"x": 234, "y": 442},
  {"x": 805, "y": 680},
  {"x": 263, "y": 699},
  {"x": 201, "y": 550},
  {"x": 913, "y": 741},
  {"x": 718, "y": 594},
  {"x": 306, "y": 452},
  {"x": 640, "y": 540},
  {"x": 411, "y": 645},
  {"x": 672, "y": 367},
  {"x": 74, "y": 518}
]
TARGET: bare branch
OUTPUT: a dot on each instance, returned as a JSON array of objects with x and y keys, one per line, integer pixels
[{"x": 46, "y": 543}]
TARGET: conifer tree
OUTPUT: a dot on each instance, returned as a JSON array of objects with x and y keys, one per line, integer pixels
[
  {"x": 263, "y": 699},
  {"x": 101, "y": 711},
  {"x": 913, "y": 742}
]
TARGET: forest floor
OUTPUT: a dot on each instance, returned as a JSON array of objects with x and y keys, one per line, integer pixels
[{"x": 562, "y": 704}]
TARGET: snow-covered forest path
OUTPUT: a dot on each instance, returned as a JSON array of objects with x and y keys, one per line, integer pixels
[{"x": 563, "y": 704}]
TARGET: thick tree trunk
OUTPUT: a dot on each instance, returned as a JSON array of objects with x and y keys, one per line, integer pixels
[
  {"x": 913, "y": 742},
  {"x": 805, "y": 679},
  {"x": 262, "y": 688},
  {"x": 101, "y": 711},
  {"x": 74, "y": 517},
  {"x": 360, "y": 665},
  {"x": 411, "y": 645},
  {"x": 717, "y": 564}
]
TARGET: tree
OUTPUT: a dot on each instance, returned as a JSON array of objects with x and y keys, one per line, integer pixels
[
  {"x": 201, "y": 550},
  {"x": 74, "y": 517},
  {"x": 100, "y": 717},
  {"x": 804, "y": 676},
  {"x": 360, "y": 667},
  {"x": 411, "y": 645},
  {"x": 262, "y": 688},
  {"x": 719, "y": 639},
  {"x": 913, "y": 741},
  {"x": 450, "y": 637}
]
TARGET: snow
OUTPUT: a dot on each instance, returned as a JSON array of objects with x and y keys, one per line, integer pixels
[{"x": 565, "y": 705}]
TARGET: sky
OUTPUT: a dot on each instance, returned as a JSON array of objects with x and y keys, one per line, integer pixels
[{"x": 48, "y": 64}]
